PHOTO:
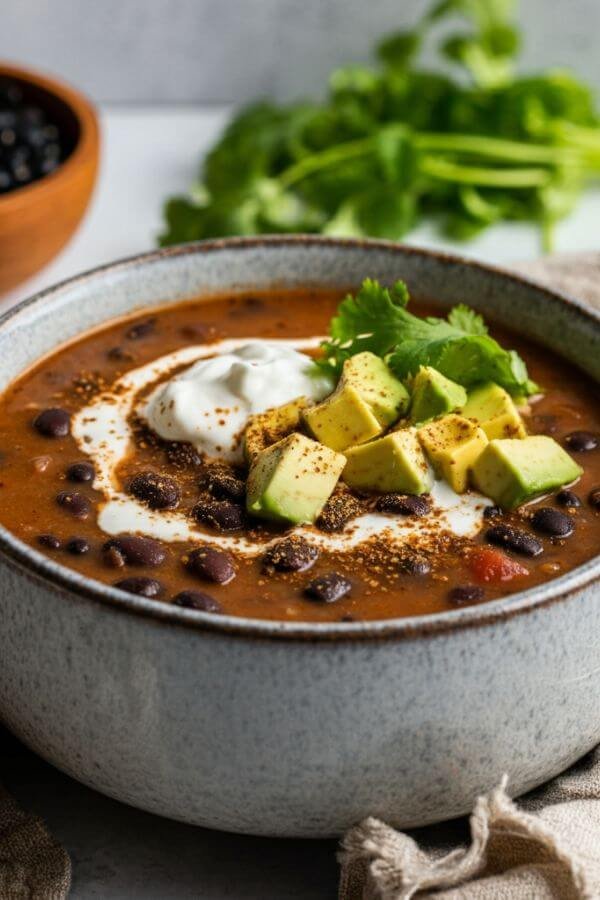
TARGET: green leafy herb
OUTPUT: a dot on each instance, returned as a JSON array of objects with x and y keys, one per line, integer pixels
[
  {"x": 394, "y": 144},
  {"x": 377, "y": 319}
]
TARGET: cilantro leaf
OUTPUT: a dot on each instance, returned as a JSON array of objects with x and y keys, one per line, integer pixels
[{"x": 377, "y": 319}]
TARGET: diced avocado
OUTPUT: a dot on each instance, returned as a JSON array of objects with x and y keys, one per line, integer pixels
[
  {"x": 343, "y": 419},
  {"x": 453, "y": 443},
  {"x": 378, "y": 387},
  {"x": 434, "y": 395},
  {"x": 494, "y": 409},
  {"x": 291, "y": 480},
  {"x": 392, "y": 463},
  {"x": 268, "y": 427},
  {"x": 513, "y": 471}
]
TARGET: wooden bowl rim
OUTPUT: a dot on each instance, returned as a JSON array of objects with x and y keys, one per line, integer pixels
[{"x": 85, "y": 149}]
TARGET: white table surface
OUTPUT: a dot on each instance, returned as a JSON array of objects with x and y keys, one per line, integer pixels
[{"x": 119, "y": 852}]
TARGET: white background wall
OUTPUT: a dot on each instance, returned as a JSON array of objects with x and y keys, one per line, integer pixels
[{"x": 160, "y": 51}]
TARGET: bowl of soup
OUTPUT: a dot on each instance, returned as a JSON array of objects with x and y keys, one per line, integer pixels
[{"x": 296, "y": 530}]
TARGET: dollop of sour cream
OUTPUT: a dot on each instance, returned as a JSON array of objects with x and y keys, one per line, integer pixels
[{"x": 208, "y": 404}]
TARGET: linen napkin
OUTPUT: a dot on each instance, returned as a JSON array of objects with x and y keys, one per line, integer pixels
[{"x": 545, "y": 846}]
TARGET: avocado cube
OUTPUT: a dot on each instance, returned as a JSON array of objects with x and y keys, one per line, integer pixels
[
  {"x": 512, "y": 471},
  {"x": 394, "y": 463},
  {"x": 434, "y": 395},
  {"x": 453, "y": 443},
  {"x": 268, "y": 427},
  {"x": 343, "y": 419},
  {"x": 494, "y": 409},
  {"x": 291, "y": 480},
  {"x": 377, "y": 385}
]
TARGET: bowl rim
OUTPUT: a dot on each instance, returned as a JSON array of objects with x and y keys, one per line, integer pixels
[
  {"x": 86, "y": 146},
  {"x": 36, "y": 566}
]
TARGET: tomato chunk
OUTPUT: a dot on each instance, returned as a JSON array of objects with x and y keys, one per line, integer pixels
[{"x": 488, "y": 565}]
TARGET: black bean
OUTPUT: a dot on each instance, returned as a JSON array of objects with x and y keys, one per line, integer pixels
[
  {"x": 182, "y": 455},
  {"x": 594, "y": 498},
  {"x": 222, "y": 483},
  {"x": 340, "y": 509},
  {"x": 49, "y": 540},
  {"x": 133, "y": 550},
  {"x": 328, "y": 588},
  {"x": 75, "y": 503},
  {"x": 156, "y": 491},
  {"x": 514, "y": 539},
  {"x": 568, "y": 498},
  {"x": 143, "y": 587},
  {"x": 581, "y": 441},
  {"x": 465, "y": 593},
  {"x": 414, "y": 564},
  {"x": 140, "y": 329},
  {"x": 119, "y": 354},
  {"x": 292, "y": 554},
  {"x": 53, "y": 422},
  {"x": 77, "y": 546},
  {"x": 222, "y": 515},
  {"x": 492, "y": 512},
  {"x": 197, "y": 600},
  {"x": 211, "y": 564},
  {"x": 81, "y": 472},
  {"x": 403, "y": 504},
  {"x": 552, "y": 521}
]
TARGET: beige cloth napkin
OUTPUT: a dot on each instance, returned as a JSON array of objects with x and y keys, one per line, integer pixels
[{"x": 547, "y": 845}]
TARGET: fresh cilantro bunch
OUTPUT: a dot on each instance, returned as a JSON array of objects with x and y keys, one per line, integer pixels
[
  {"x": 377, "y": 319},
  {"x": 397, "y": 143}
]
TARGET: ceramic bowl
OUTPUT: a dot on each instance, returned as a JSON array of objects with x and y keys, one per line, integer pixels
[
  {"x": 37, "y": 220},
  {"x": 289, "y": 728}
]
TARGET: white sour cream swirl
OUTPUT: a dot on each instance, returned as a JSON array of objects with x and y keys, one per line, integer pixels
[{"x": 208, "y": 404}]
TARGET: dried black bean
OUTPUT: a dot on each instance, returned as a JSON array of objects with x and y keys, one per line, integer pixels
[
  {"x": 133, "y": 550},
  {"x": 50, "y": 541},
  {"x": 552, "y": 521},
  {"x": 328, "y": 588},
  {"x": 81, "y": 472},
  {"x": 581, "y": 441},
  {"x": 197, "y": 600},
  {"x": 594, "y": 498},
  {"x": 292, "y": 554},
  {"x": 465, "y": 593},
  {"x": 75, "y": 503},
  {"x": 414, "y": 564},
  {"x": 156, "y": 491},
  {"x": 492, "y": 512},
  {"x": 211, "y": 564},
  {"x": 143, "y": 587},
  {"x": 513, "y": 539},
  {"x": 403, "y": 504},
  {"x": 222, "y": 483},
  {"x": 53, "y": 422},
  {"x": 568, "y": 498},
  {"x": 222, "y": 515},
  {"x": 140, "y": 329},
  {"x": 78, "y": 546}
]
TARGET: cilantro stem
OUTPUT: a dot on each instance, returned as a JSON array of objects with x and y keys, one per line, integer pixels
[
  {"x": 506, "y": 178},
  {"x": 330, "y": 157},
  {"x": 498, "y": 148}
]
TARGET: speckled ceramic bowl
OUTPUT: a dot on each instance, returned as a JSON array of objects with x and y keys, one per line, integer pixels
[{"x": 292, "y": 729}]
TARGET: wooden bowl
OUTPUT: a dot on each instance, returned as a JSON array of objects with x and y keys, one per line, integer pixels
[{"x": 37, "y": 220}]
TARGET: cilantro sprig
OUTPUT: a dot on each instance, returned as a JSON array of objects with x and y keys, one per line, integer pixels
[
  {"x": 397, "y": 143},
  {"x": 377, "y": 319}
]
